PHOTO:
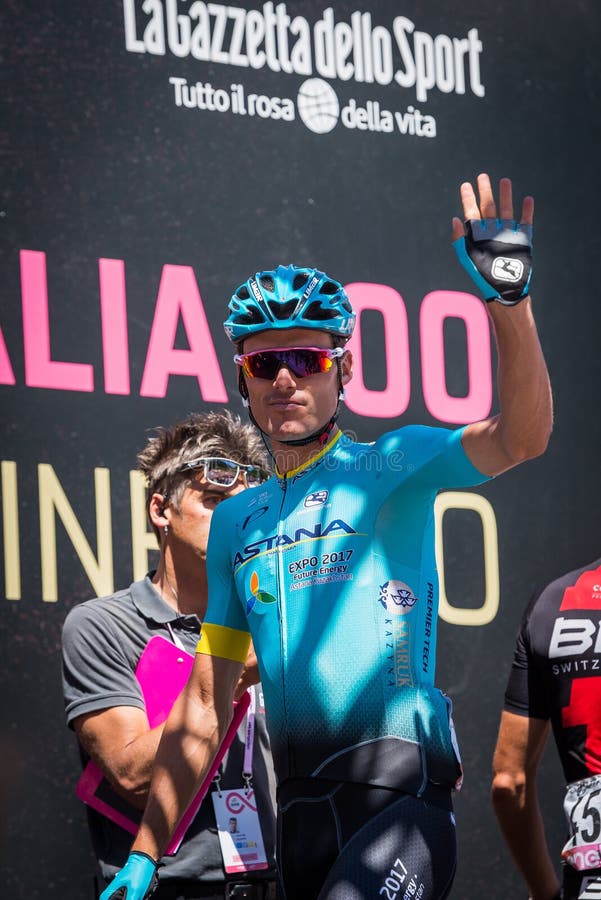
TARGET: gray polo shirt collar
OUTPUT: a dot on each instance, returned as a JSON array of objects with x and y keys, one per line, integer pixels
[{"x": 152, "y": 607}]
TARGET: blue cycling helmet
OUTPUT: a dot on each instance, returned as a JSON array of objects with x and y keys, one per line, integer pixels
[{"x": 289, "y": 297}]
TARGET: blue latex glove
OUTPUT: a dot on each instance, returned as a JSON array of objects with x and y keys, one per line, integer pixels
[
  {"x": 136, "y": 880},
  {"x": 497, "y": 255}
]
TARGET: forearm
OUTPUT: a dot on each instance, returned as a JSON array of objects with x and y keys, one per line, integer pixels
[
  {"x": 131, "y": 772},
  {"x": 522, "y": 427},
  {"x": 188, "y": 746},
  {"x": 496, "y": 252},
  {"x": 525, "y": 415},
  {"x": 123, "y": 747},
  {"x": 522, "y": 827}
]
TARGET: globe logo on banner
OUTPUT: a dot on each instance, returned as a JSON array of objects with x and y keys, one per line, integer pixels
[{"x": 318, "y": 105}]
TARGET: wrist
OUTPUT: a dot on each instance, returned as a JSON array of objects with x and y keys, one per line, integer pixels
[
  {"x": 146, "y": 856},
  {"x": 146, "y": 849},
  {"x": 521, "y": 313}
]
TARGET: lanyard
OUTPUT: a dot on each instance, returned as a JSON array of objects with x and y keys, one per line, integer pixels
[
  {"x": 247, "y": 768},
  {"x": 176, "y": 640},
  {"x": 247, "y": 764}
]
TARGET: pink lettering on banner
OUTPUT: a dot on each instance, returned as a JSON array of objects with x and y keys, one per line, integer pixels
[
  {"x": 435, "y": 308},
  {"x": 40, "y": 370},
  {"x": 394, "y": 399},
  {"x": 113, "y": 312},
  {"x": 7, "y": 375},
  {"x": 179, "y": 295}
]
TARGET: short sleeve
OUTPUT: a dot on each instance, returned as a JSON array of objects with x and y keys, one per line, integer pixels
[
  {"x": 436, "y": 456},
  {"x": 96, "y": 672},
  {"x": 526, "y": 694},
  {"x": 225, "y": 628}
]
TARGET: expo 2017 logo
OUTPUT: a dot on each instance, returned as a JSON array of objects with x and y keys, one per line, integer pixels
[
  {"x": 318, "y": 105},
  {"x": 259, "y": 601}
]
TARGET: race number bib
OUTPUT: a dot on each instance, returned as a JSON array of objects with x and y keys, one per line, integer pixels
[
  {"x": 582, "y": 806},
  {"x": 239, "y": 830}
]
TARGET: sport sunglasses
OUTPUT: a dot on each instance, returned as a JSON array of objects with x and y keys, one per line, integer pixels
[
  {"x": 302, "y": 361},
  {"x": 225, "y": 472}
]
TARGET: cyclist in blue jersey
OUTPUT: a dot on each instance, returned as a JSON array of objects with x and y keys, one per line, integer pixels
[{"x": 330, "y": 567}]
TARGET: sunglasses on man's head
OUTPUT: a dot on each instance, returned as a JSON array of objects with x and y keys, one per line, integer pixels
[
  {"x": 225, "y": 472},
  {"x": 302, "y": 361}
]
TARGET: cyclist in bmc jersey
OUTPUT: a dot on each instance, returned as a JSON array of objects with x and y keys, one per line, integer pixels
[
  {"x": 330, "y": 567},
  {"x": 555, "y": 682}
]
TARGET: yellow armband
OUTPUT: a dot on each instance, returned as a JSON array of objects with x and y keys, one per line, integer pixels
[{"x": 229, "y": 643}]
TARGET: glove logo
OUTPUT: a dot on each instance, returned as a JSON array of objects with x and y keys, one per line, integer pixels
[{"x": 505, "y": 268}]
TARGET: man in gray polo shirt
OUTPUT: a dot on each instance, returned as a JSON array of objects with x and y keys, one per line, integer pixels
[{"x": 190, "y": 468}]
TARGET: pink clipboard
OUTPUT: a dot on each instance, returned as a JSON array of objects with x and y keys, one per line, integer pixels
[{"x": 163, "y": 671}]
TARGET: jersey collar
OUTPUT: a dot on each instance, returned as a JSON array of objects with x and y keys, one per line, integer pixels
[{"x": 310, "y": 462}]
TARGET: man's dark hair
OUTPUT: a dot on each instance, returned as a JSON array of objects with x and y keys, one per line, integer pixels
[{"x": 219, "y": 434}]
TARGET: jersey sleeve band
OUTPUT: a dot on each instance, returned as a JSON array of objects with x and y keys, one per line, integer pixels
[{"x": 228, "y": 643}]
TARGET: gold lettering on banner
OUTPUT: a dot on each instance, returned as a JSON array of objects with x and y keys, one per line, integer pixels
[
  {"x": 484, "y": 614},
  {"x": 53, "y": 502},
  {"x": 10, "y": 531}
]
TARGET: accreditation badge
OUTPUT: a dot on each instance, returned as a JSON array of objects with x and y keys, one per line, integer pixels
[{"x": 239, "y": 830}]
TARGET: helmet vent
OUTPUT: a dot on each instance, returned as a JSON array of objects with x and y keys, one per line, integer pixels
[
  {"x": 282, "y": 310},
  {"x": 329, "y": 288},
  {"x": 243, "y": 293},
  {"x": 300, "y": 281},
  {"x": 267, "y": 283},
  {"x": 315, "y": 312},
  {"x": 251, "y": 316}
]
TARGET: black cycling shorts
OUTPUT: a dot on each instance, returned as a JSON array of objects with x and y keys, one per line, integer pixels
[{"x": 345, "y": 841}]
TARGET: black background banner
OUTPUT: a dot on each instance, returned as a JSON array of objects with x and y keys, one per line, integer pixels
[{"x": 152, "y": 165}]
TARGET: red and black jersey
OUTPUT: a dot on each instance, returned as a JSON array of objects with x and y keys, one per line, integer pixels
[{"x": 556, "y": 672}]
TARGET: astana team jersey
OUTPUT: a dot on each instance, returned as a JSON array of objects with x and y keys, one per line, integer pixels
[{"x": 331, "y": 570}]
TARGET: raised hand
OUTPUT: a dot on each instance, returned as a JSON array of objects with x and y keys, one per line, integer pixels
[{"x": 494, "y": 249}]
